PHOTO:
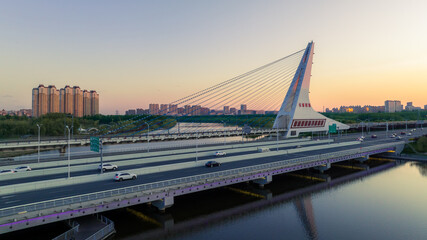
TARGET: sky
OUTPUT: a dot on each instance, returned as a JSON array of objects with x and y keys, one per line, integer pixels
[{"x": 138, "y": 52}]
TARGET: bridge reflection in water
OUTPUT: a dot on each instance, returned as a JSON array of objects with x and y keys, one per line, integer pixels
[{"x": 301, "y": 199}]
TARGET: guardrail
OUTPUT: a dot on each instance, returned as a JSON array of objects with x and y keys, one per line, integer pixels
[
  {"x": 182, "y": 181},
  {"x": 105, "y": 231},
  {"x": 70, "y": 234}
]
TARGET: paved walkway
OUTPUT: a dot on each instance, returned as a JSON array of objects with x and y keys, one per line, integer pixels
[{"x": 88, "y": 226}]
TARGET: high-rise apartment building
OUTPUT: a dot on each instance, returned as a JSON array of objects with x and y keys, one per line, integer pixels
[
  {"x": 39, "y": 101},
  {"x": 86, "y": 103},
  {"x": 393, "y": 106},
  {"x": 173, "y": 109},
  {"x": 77, "y": 101},
  {"x": 66, "y": 100},
  {"x": 94, "y": 103},
  {"x": 52, "y": 99},
  {"x": 226, "y": 109},
  {"x": 243, "y": 109},
  {"x": 163, "y": 109},
  {"x": 154, "y": 108}
]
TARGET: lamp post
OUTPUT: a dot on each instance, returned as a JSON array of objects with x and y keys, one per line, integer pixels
[
  {"x": 68, "y": 151},
  {"x": 277, "y": 136},
  {"x": 38, "y": 149},
  {"x": 148, "y": 137}
]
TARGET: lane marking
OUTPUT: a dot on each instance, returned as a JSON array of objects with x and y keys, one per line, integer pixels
[{"x": 9, "y": 196}]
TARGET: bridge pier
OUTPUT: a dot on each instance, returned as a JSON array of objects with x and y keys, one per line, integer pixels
[
  {"x": 362, "y": 159},
  {"x": 262, "y": 181},
  {"x": 163, "y": 203},
  {"x": 63, "y": 149},
  {"x": 399, "y": 149},
  {"x": 323, "y": 168}
]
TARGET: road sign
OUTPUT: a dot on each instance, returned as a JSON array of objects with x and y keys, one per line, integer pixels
[
  {"x": 333, "y": 128},
  {"x": 94, "y": 144},
  {"x": 246, "y": 129}
]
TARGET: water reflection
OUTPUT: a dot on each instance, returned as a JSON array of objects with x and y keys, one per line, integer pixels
[
  {"x": 301, "y": 199},
  {"x": 305, "y": 211}
]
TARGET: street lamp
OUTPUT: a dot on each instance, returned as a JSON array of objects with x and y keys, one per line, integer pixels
[
  {"x": 148, "y": 137},
  {"x": 68, "y": 151},
  {"x": 38, "y": 149}
]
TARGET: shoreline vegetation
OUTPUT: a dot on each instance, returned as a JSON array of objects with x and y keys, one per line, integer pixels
[{"x": 53, "y": 124}]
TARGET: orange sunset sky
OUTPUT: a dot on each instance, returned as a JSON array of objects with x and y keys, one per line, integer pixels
[{"x": 139, "y": 52}]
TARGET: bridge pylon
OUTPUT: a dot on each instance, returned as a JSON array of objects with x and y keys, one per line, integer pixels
[{"x": 296, "y": 114}]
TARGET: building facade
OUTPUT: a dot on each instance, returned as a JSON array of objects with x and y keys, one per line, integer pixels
[
  {"x": 66, "y": 100},
  {"x": 393, "y": 106}
]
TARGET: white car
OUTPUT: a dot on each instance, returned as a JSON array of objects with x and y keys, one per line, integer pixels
[
  {"x": 107, "y": 166},
  {"x": 23, "y": 169},
  {"x": 6, "y": 171},
  {"x": 409, "y": 134},
  {"x": 124, "y": 176},
  {"x": 360, "y": 139},
  {"x": 219, "y": 153}
]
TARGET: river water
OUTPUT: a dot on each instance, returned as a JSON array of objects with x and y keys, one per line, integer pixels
[{"x": 387, "y": 202}]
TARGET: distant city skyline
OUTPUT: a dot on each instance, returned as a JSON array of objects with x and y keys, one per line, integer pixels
[{"x": 139, "y": 52}]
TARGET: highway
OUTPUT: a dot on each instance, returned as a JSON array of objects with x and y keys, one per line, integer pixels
[
  {"x": 95, "y": 186},
  {"x": 90, "y": 187},
  {"x": 143, "y": 160}
]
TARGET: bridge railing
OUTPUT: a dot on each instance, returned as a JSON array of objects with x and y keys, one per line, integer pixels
[
  {"x": 148, "y": 188},
  {"x": 70, "y": 234}
]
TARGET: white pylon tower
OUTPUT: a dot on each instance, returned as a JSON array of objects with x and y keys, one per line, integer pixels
[{"x": 296, "y": 114}]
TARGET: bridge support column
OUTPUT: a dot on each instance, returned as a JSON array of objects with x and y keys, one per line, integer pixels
[
  {"x": 163, "y": 203},
  {"x": 323, "y": 168},
  {"x": 262, "y": 181},
  {"x": 399, "y": 149},
  {"x": 63, "y": 149},
  {"x": 362, "y": 159}
]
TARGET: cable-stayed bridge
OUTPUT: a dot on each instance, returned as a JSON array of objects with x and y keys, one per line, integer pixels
[{"x": 47, "y": 195}]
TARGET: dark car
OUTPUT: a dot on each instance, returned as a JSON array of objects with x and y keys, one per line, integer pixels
[
  {"x": 213, "y": 164},
  {"x": 402, "y": 133},
  {"x": 374, "y": 136}
]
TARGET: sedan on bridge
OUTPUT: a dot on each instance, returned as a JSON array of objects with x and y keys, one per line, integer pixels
[
  {"x": 213, "y": 164},
  {"x": 124, "y": 176},
  {"x": 219, "y": 153},
  {"x": 23, "y": 169},
  {"x": 107, "y": 166}
]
